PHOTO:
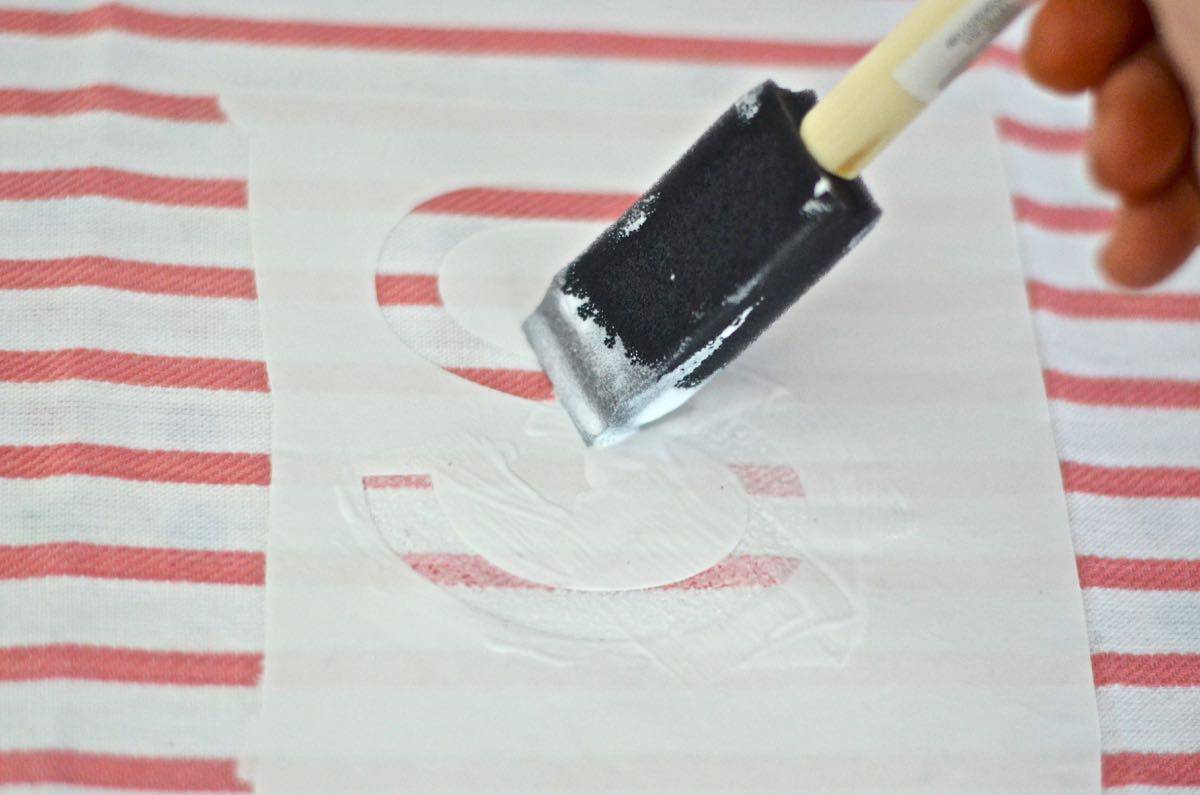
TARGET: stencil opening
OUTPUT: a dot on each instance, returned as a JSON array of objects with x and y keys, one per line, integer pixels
[
  {"x": 491, "y": 281},
  {"x": 408, "y": 280}
]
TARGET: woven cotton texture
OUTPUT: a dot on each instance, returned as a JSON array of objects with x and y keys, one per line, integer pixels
[{"x": 134, "y": 404}]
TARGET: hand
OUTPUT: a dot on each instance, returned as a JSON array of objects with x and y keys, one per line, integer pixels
[{"x": 1143, "y": 65}]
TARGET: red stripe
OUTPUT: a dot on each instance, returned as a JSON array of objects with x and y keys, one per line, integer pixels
[
  {"x": 1153, "y": 770},
  {"x": 740, "y": 571},
  {"x": 1143, "y": 482},
  {"x": 458, "y": 41},
  {"x": 113, "y": 183},
  {"x": 1159, "y": 393},
  {"x": 1063, "y": 218},
  {"x": 105, "y": 664},
  {"x": 411, "y": 38},
  {"x": 517, "y": 203},
  {"x": 105, "y": 97},
  {"x": 474, "y": 571},
  {"x": 398, "y": 482},
  {"x": 529, "y": 384},
  {"x": 468, "y": 571},
  {"x": 1113, "y": 305},
  {"x": 1139, "y": 574},
  {"x": 157, "y": 564},
  {"x": 133, "y": 369},
  {"x": 756, "y": 479},
  {"x": 78, "y": 768},
  {"x": 1001, "y": 56},
  {"x": 763, "y": 480},
  {"x": 159, "y": 466},
  {"x": 407, "y": 289},
  {"x": 139, "y": 277},
  {"x": 1046, "y": 139},
  {"x": 1146, "y": 670}
]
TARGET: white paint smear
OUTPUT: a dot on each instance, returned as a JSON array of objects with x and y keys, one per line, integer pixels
[{"x": 550, "y": 510}]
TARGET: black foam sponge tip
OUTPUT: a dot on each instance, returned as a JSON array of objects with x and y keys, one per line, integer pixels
[{"x": 722, "y": 244}]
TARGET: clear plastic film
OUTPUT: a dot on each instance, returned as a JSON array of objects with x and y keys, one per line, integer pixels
[
  {"x": 847, "y": 559},
  {"x": 697, "y": 525}
]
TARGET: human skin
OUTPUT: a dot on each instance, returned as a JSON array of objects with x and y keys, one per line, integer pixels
[{"x": 1140, "y": 59}]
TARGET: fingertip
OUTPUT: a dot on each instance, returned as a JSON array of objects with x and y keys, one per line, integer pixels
[
  {"x": 1151, "y": 239},
  {"x": 1073, "y": 44},
  {"x": 1142, "y": 127},
  {"x": 1126, "y": 267}
]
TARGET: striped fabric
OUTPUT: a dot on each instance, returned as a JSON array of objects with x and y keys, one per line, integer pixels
[
  {"x": 406, "y": 284},
  {"x": 1122, "y": 372},
  {"x": 134, "y": 441},
  {"x": 134, "y": 405}
]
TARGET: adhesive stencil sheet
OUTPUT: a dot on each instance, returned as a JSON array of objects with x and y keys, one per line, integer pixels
[{"x": 844, "y": 567}]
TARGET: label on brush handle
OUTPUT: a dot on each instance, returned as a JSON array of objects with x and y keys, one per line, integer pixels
[{"x": 951, "y": 50}]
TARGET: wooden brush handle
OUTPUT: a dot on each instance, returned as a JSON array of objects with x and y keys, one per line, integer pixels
[{"x": 899, "y": 77}]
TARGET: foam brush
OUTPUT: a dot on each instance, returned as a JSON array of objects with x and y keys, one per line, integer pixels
[{"x": 753, "y": 215}]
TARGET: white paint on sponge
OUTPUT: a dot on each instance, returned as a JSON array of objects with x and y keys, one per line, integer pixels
[
  {"x": 747, "y": 105},
  {"x": 636, "y": 215}
]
